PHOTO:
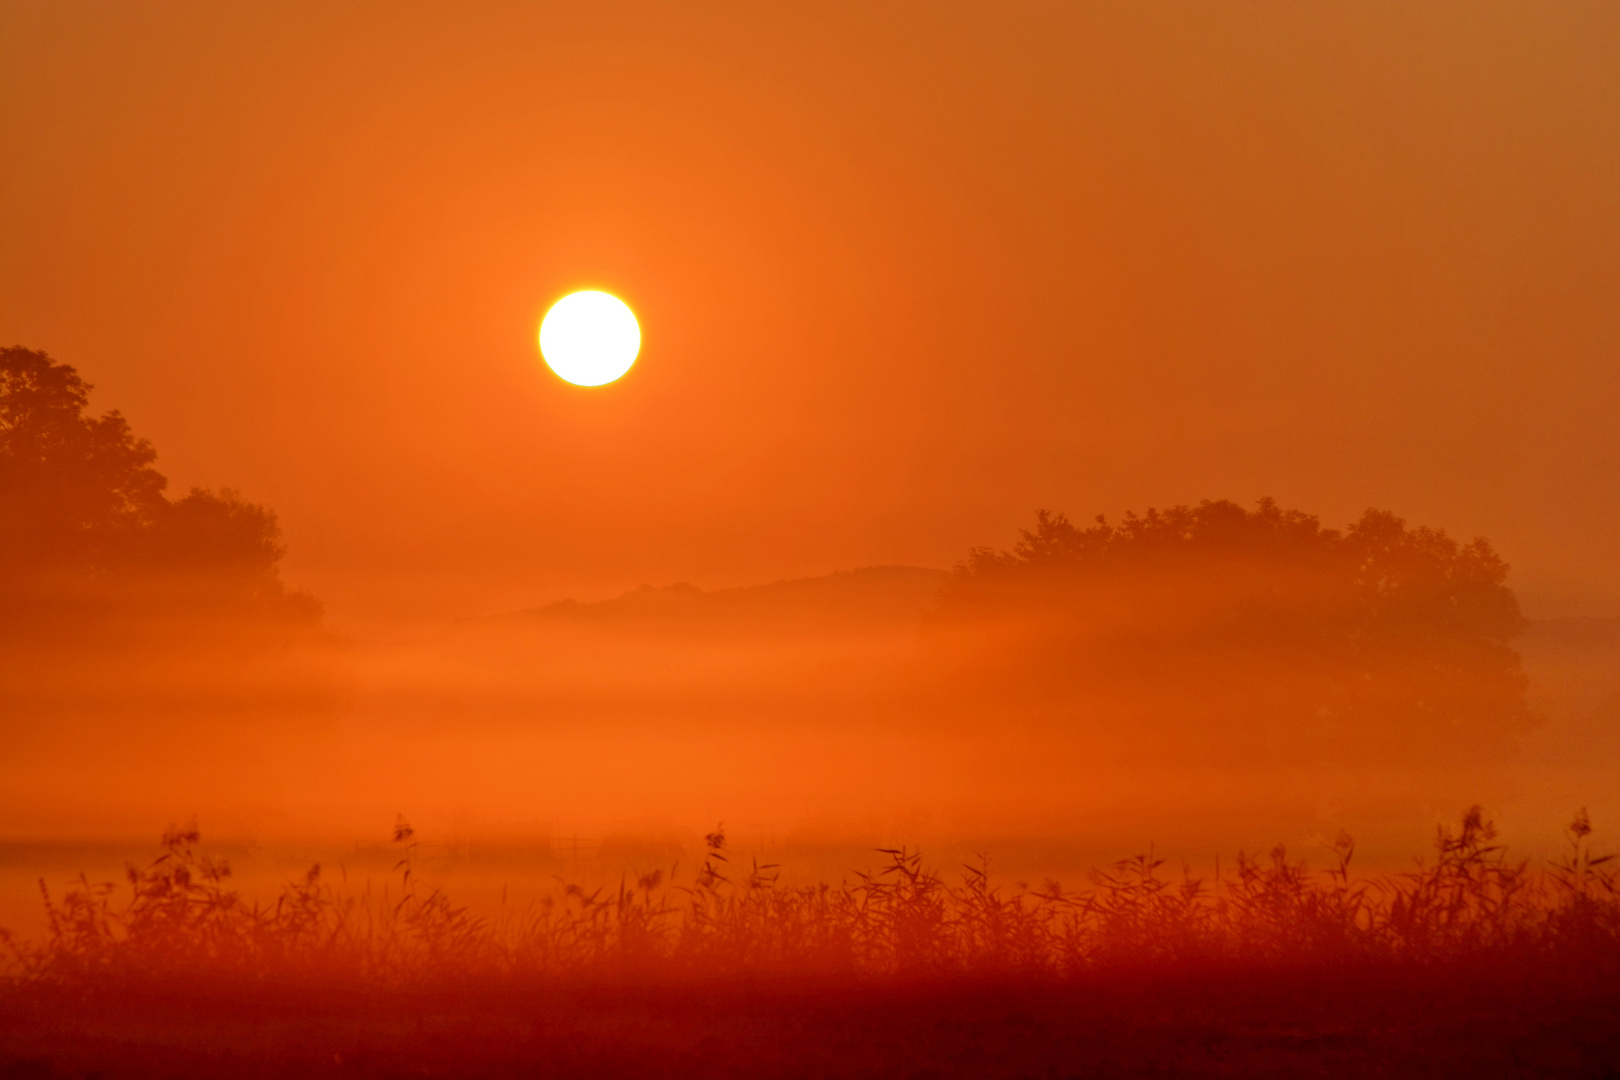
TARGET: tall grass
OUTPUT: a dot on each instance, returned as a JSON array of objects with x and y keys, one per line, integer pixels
[{"x": 175, "y": 920}]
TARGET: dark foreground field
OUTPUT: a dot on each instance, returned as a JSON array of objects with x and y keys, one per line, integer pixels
[
  {"x": 1383, "y": 1022},
  {"x": 1471, "y": 965}
]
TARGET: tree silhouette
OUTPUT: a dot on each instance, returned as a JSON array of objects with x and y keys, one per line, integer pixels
[
  {"x": 1257, "y": 627},
  {"x": 89, "y": 540}
]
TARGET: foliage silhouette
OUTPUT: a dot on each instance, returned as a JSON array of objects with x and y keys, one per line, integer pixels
[
  {"x": 91, "y": 549},
  {"x": 1259, "y": 628},
  {"x": 176, "y": 919}
]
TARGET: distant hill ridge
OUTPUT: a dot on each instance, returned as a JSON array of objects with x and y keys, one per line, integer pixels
[{"x": 870, "y": 594}]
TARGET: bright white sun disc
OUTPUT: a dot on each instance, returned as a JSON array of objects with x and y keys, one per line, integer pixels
[{"x": 589, "y": 338}]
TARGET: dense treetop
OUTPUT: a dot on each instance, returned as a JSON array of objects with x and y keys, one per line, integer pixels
[
  {"x": 87, "y": 533},
  {"x": 1225, "y": 618}
]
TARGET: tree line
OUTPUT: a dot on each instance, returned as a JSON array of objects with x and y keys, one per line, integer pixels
[{"x": 1181, "y": 629}]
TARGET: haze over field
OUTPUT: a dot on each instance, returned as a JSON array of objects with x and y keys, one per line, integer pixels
[
  {"x": 904, "y": 277},
  {"x": 850, "y": 539}
]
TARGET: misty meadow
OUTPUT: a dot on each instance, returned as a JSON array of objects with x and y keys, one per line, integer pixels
[
  {"x": 1195, "y": 639},
  {"x": 1037, "y": 540}
]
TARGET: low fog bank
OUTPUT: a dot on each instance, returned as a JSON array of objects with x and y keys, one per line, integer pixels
[{"x": 789, "y": 711}]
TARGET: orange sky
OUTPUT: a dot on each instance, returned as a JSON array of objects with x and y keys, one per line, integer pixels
[{"x": 905, "y": 273}]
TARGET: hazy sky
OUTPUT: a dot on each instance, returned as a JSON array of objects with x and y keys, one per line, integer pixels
[{"x": 905, "y": 273}]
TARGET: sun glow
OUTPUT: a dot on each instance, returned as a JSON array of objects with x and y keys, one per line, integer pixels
[{"x": 590, "y": 338}]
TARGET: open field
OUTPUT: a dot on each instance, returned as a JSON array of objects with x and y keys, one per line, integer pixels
[
  {"x": 1314, "y": 1023},
  {"x": 1474, "y": 964}
]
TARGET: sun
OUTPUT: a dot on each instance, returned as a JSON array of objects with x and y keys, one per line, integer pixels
[{"x": 590, "y": 338}]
